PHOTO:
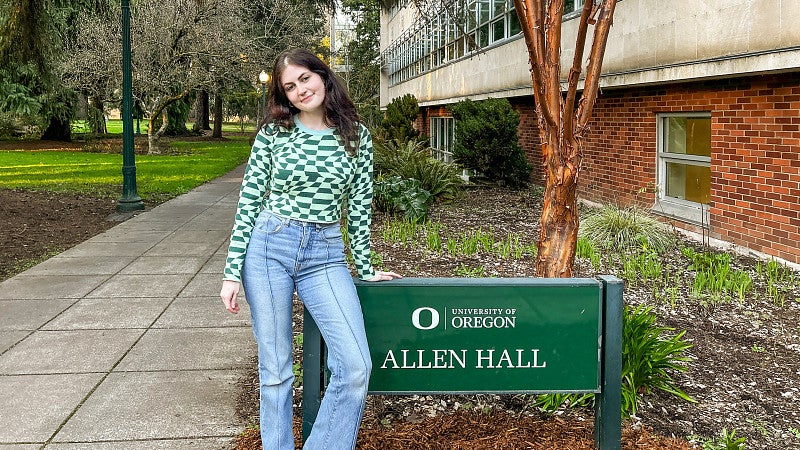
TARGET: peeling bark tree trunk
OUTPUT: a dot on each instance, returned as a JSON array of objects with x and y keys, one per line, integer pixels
[{"x": 561, "y": 126}]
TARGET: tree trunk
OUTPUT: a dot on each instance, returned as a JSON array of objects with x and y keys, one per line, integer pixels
[
  {"x": 217, "y": 116},
  {"x": 98, "y": 116},
  {"x": 58, "y": 130},
  {"x": 154, "y": 136},
  {"x": 561, "y": 125},
  {"x": 201, "y": 122},
  {"x": 558, "y": 229}
]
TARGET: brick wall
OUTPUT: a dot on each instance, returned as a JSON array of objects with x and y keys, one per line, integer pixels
[
  {"x": 529, "y": 136},
  {"x": 755, "y": 154}
]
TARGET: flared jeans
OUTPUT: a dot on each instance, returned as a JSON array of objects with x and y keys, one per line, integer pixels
[{"x": 284, "y": 256}]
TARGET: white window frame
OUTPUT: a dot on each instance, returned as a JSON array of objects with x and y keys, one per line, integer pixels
[
  {"x": 671, "y": 206},
  {"x": 442, "y": 145}
]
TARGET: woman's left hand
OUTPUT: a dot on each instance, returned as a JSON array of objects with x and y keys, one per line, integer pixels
[{"x": 384, "y": 276}]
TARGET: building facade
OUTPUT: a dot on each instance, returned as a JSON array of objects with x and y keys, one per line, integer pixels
[{"x": 698, "y": 116}]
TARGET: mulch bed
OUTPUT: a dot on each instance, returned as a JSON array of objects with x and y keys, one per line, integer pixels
[{"x": 468, "y": 430}]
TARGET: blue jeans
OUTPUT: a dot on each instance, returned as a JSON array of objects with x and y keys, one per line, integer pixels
[{"x": 285, "y": 255}]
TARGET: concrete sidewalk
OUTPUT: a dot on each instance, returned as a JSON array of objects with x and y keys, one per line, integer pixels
[{"x": 122, "y": 342}]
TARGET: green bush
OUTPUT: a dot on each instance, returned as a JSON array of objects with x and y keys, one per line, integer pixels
[
  {"x": 625, "y": 229},
  {"x": 400, "y": 115},
  {"x": 648, "y": 357},
  {"x": 411, "y": 160},
  {"x": 397, "y": 195},
  {"x": 486, "y": 141}
]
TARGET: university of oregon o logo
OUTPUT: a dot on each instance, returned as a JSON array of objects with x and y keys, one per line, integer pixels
[{"x": 434, "y": 320}]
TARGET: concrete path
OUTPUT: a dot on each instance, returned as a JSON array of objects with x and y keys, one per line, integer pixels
[{"x": 122, "y": 342}]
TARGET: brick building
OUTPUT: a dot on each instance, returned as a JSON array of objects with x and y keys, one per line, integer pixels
[{"x": 698, "y": 116}]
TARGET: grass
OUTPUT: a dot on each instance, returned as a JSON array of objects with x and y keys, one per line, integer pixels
[
  {"x": 625, "y": 229},
  {"x": 100, "y": 174},
  {"x": 467, "y": 243},
  {"x": 114, "y": 126}
]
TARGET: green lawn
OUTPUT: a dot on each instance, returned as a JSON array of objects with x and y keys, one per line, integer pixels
[
  {"x": 100, "y": 174},
  {"x": 115, "y": 126}
]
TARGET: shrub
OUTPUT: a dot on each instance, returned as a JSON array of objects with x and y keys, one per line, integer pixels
[
  {"x": 396, "y": 195},
  {"x": 412, "y": 160},
  {"x": 486, "y": 141},
  {"x": 400, "y": 115},
  {"x": 648, "y": 357},
  {"x": 625, "y": 229}
]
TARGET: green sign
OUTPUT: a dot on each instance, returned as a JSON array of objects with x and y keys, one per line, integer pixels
[{"x": 429, "y": 335}]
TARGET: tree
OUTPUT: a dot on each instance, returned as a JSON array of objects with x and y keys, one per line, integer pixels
[
  {"x": 363, "y": 76},
  {"x": 181, "y": 46},
  {"x": 562, "y": 126},
  {"x": 400, "y": 115},
  {"x": 486, "y": 140},
  {"x": 33, "y": 35}
]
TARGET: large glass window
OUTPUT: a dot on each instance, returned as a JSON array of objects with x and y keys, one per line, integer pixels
[
  {"x": 457, "y": 30},
  {"x": 684, "y": 160},
  {"x": 442, "y": 136},
  {"x": 454, "y": 33}
]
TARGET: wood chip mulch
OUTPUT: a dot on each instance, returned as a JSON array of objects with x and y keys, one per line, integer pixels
[{"x": 469, "y": 430}]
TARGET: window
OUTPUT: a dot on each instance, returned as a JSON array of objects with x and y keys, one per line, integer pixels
[
  {"x": 572, "y": 6},
  {"x": 442, "y": 132},
  {"x": 684, "y": 164},
  {"x": 450, "y": 35}
]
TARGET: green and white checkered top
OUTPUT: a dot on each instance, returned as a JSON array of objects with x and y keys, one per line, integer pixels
[{"x": 307, "y": 175}]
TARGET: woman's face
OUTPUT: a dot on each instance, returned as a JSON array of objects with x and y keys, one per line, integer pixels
[{"x": 304, "y": 89}]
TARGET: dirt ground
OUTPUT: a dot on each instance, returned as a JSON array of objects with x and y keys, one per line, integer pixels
[
  {"x": 38, "y": 224},
  {"x": 744, "y": 373}
]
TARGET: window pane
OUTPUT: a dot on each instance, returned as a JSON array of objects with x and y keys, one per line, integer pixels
[
  {"x": 498, "y": 30},
  {"x": 689, "y": 182},
  {"x": 513, "y": 24},
  {"x": 688, "y": 136},
  {"x": 498, "y": 8},
  {"x": 483, "y": 36},
  {"x": 483, "y": 11}
]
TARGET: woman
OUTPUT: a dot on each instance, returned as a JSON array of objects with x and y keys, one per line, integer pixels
[{"x": 309, "y": 156}]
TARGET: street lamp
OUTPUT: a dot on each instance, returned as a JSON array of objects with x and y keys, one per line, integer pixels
[
  {"x": 263, "y": 77},
  {"x": 130, "y": 200}
]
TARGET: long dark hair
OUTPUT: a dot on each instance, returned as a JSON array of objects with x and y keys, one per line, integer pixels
[{"x": 340, "y": 112}]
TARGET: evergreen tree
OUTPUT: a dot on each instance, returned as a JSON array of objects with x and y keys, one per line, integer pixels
[
  {"x": 486, "y": 141},
  {"x": 400, "y": 115}
]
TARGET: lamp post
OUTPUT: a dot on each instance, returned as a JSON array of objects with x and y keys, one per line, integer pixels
[
  {"x": 263, "y": 77},
  {"x": 130, "y": 200}
]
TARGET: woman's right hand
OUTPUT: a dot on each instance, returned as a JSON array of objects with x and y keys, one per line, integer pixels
[{"x": 229, "y": 294}]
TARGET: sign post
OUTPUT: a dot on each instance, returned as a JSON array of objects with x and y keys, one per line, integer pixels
[{"x": 498, "y": 335}]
